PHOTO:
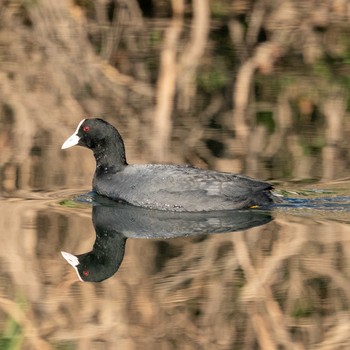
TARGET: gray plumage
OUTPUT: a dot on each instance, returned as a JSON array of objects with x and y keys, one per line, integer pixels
[{"x": 181, "y": 188}]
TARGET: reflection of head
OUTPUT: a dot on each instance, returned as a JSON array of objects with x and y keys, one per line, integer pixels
[{"x": 102, "y": 262}]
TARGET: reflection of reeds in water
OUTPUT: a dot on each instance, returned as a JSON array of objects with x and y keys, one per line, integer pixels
[{"x": 285, "y": 285}]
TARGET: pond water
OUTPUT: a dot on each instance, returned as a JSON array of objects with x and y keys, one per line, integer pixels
[{"x": 246, "y": 279}]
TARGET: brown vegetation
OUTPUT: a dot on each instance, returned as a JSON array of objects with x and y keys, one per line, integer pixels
[{"x": 231, "y": 85}]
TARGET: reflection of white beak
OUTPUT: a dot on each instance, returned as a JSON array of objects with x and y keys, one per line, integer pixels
[
  {"x": 73, "y": 261},
  {"x": 74, "y": 139}
]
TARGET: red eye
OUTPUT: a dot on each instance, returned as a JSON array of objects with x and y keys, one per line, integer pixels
[
  {"x": 86, "y": 128},
  {"x": 86, "y": 273}
]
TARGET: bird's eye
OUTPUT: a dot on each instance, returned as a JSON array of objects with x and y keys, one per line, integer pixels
[
  {"x": 86, "y": 128},
  {"x": 86, "y": 273}
]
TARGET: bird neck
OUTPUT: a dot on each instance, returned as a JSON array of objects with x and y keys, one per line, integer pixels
[{"x": 110, "y": 158}]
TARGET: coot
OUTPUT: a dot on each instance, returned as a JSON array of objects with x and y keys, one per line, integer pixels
[{"x": 162, "y": 187}]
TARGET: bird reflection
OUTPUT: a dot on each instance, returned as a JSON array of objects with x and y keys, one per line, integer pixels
[{"x": 115, "y": 222}]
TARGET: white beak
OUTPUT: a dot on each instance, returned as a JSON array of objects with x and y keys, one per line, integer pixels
[
  {"x": 71, "y": 141},
  {"x": 73, "y": 261},
  {"x": 74, "y": 139}
]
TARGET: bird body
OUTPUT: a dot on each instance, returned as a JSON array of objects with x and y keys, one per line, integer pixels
[
  {"x": 181, "y": 188},
  {"x": 163, "y": 186}
]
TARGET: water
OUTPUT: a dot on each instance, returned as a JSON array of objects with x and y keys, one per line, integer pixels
[{"x": 198, "y": 290}]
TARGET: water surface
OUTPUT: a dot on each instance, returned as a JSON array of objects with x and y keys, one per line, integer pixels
[{"x": 280, "y": 282}]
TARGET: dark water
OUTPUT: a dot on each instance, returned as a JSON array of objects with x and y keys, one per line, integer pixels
[{"x": 189, "y": 281}]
